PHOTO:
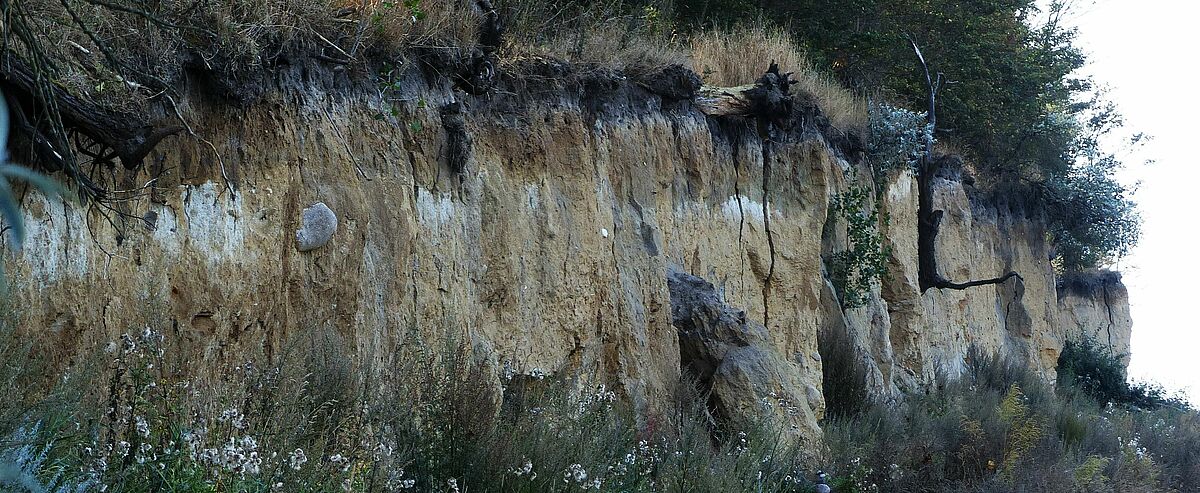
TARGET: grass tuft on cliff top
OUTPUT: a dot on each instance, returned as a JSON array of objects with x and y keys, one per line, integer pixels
[{"x": 123, "y": 53}]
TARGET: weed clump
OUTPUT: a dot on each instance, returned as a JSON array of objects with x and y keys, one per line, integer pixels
[
  {"x": 1001, "y": 428},
  {"x": 428, "y": 417}
]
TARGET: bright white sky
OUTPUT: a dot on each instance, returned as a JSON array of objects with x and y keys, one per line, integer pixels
[{"x": 1148, "y": 51}]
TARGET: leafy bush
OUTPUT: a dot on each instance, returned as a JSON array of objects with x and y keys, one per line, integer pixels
[
  {"x": 1092, "y": 218},
  {"x": 1094, "y": 369},
  {"x": 896, "y": 139},
  {"x": 1000, "y": 428},
  {"x": 854, "y": 271},
  {"x": 1097, "y": 372}
]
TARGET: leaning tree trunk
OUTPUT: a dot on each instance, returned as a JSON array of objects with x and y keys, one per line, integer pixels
[{"x": 929, "y": 220}]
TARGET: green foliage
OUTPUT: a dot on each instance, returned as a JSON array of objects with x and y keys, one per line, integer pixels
[
  {"x": 853, "y": 271},
  {"x": 1009, "y": 68},
  {"x": 1014, "y": 102},
  {"x": 1091, "y": 215},
  {"x": 1000, "y": 428},
  {"x": 1097, "y": 372},
  {"x": 1094, "y": 369},
  {"x": 895, "y": 139},
  {"x": 1090, "y": 473},
  {"x": 717, "y": 13}
]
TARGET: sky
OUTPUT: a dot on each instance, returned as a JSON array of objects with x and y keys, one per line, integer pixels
[{"x": 1148, "y": 51}]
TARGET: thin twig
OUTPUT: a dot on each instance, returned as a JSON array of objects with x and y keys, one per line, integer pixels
[
  {"x": 188, "y": 127},
  {"x": 353, "y": 159}
]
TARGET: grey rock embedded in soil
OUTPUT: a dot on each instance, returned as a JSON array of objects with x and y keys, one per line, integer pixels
[{"x": 318, "y": 223}]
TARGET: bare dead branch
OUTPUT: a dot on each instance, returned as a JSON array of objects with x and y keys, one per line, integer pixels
[{"x": 928, "y": 219}]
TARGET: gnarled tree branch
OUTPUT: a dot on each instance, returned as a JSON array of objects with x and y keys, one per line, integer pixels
[
  {"x": 768, "y": 98},
  {"x": 928, "y": 219},
  {"x": 125, "y": 135}
]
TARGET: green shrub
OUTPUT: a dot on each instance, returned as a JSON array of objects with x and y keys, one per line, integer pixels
[
  {"x": 895, "y": 140},
  {"x": 855, "y": 270},
  {"x": 1000, "y": 428},
  {"x": 1100, "y": 374},
  {"x": 1092, "y": 219},
  {"x": 1094, "y": 369}
]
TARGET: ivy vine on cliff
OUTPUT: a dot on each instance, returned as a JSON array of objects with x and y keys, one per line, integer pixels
[{"x": 864, "y": 262}]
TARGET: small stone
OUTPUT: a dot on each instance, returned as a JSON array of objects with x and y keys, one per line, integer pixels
[
  {"x": 150, "y": 219},
  {"x": 317, "y": 225},
  {"x": 604, "y": 232},
  {"x": 812, "y": 394}
]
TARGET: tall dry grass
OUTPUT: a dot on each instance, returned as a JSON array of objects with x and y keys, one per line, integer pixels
[
  {"x": 740, "y": 56},
  {"x": 395, "y": 26},
  {"x": 428, "y": 419},
  {"x": 151, "y": 42},
  {"x": 607, "y": 34}
]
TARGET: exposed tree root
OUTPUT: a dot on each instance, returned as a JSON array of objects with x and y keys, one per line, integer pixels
[{"x": 767, "y": 99}]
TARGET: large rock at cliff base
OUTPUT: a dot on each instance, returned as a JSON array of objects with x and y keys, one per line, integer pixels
[{"x": 733, "y": 362}]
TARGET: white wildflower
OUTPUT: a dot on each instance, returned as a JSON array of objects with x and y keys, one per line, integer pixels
[
  {"x": 525, "y": 469},
  {"x": 234, "y": 417},
  {"x": 575, "y": 472},
  {"x": 122, "y": 448},
  {"x": 297, "y": 459},
  {"x": 143, "y": 428}
]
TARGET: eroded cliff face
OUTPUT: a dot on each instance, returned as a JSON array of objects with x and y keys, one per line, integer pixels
[
  {"x": 547, "y": 245},
  {"x": 1095, "y": 305}
]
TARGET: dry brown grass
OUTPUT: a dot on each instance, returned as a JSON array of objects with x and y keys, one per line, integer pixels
[
  {"x": 451, "y": 24},
  {"x": 741, "y": 55},
  {"x": 92, "y": 49},
  {"x": 600, "y": 34},
  {"x": 611, "y": 46},
  {"x": 238, "y": 36},
  {"x": 603, "y": 34}
]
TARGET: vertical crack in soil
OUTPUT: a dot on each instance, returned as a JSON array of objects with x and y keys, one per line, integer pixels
[
  {"x": 766, "y": 209},
  {"x": 737, "y": 194},
  {"x": 1108, "y": 306}
]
